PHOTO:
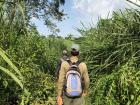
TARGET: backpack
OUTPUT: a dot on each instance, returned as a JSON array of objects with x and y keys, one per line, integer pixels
[{"x": 73, "y": 84}]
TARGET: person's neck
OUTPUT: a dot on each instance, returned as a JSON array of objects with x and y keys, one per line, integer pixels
[{"x": 74, "y": 56}]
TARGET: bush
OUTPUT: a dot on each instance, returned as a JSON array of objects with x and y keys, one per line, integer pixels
[{"x": 111, "y": 51}]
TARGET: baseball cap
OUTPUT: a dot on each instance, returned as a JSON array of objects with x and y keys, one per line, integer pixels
[
  {"x": 65, "y": 52},
  {"x": 75, "y": 47}
]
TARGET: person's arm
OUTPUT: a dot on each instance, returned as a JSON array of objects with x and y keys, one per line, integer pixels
[
  {"x": 61, "y": 79},
  {"x": 85, "y": 78}
]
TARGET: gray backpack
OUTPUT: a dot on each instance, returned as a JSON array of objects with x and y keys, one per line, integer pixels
[{"x": 73, "y": 84}]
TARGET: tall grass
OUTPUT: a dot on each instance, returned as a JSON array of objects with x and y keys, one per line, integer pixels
[
  {"x": 27, "y": 59},
  {"x": 111, "y": 51}
]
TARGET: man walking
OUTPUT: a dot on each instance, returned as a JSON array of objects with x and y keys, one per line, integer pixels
[
  {"x": 62, "y": 59},
  {"x": 68, "y": 83}
]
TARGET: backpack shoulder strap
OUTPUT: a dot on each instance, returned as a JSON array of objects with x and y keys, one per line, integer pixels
[
  {"x": 71, "y": 63},
  {"x": 77, "y": 63}
]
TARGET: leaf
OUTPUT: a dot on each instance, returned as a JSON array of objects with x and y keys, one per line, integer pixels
[
  {"x": 13, "y": 76},
  {"x": 3, "y": 55}
]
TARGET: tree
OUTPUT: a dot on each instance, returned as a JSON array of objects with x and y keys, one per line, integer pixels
[
  {"x": 48, "y": 10},
  {"x": 70, "y": 37}
]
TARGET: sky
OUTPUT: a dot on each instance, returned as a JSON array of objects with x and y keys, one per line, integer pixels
[{"x": 85, "y": 12}]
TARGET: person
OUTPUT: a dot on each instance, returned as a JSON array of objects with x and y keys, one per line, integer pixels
[
  {"x": 62, "y": 98},
  {"x": 63, "y": 58}
]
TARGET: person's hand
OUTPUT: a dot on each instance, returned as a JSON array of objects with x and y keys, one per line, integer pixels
[{"x": 59, "y": 100}]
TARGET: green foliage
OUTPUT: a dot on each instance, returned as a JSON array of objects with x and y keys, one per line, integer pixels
[
  {"x": 35, "y": 58},
  {"x": 2, "y": 53},
  {"x": 111, "y": 51},
  {"x": 17, "y": 78},
  {"x": 41, "y": 87},
  {"x": 35, "y": 55},
  {"x": 21, "y": 12},
  {"x": 28, "y": 62},
  {"x": 25, "y": 76}
]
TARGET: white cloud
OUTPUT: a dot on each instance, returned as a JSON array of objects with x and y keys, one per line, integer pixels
[
  {"x": 92, "y": 10},
  {"x": 95, "y": 8}
]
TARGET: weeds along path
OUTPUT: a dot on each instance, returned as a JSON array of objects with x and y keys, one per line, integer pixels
[{"x": 111, "y": 51}]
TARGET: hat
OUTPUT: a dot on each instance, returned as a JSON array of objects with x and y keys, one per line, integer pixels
[
  {"x": 65, "y": 52},
  {"x": 75, "y": 47}
]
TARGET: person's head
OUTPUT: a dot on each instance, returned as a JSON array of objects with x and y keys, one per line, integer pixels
[
  {"x": 65, "y": 52},
  {"x": 75, "y": 50}
]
